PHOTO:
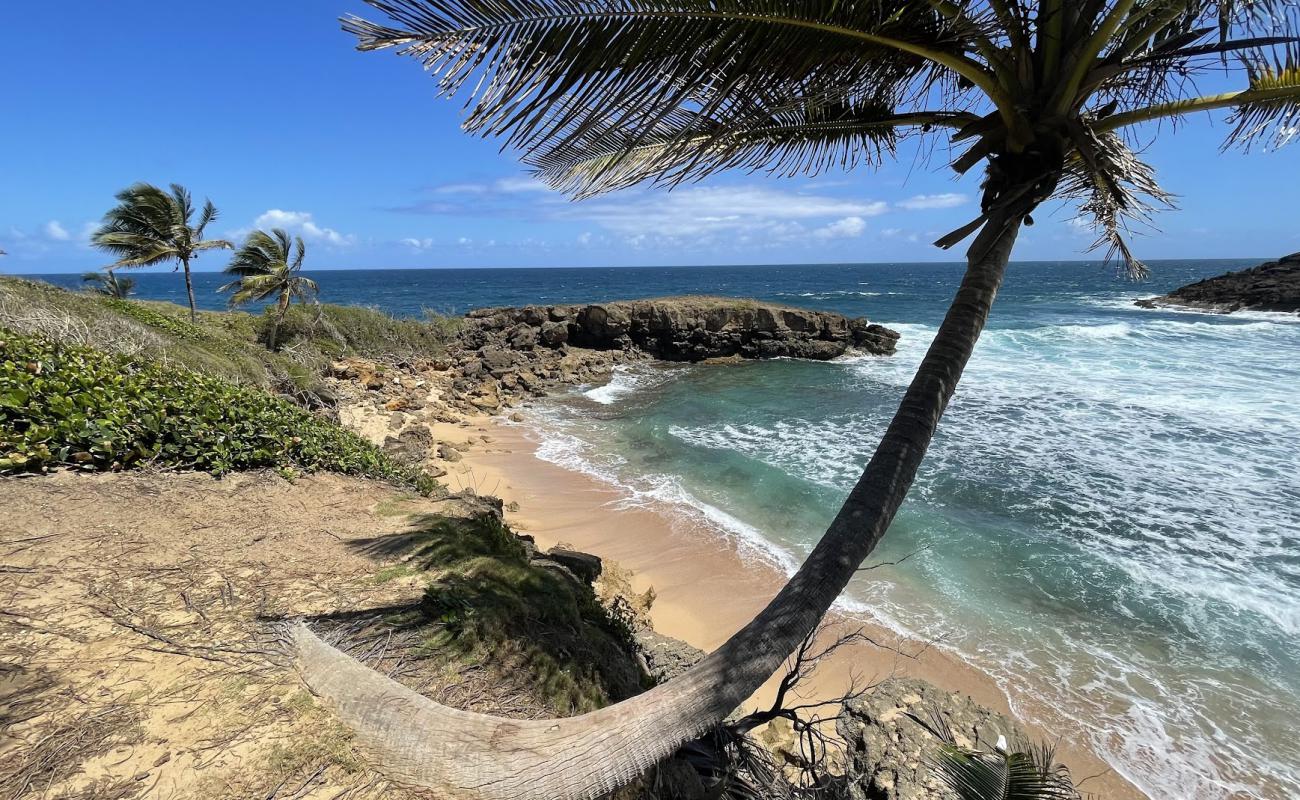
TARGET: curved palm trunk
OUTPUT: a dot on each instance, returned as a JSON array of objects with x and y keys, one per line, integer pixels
[
  {"x": 281, "y": 308},
  {"x": 189, "y": 289},
  {"x": 463, "y": 754}
]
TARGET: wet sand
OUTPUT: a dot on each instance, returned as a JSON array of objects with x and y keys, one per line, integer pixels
[{"x": 705, "y": 588}]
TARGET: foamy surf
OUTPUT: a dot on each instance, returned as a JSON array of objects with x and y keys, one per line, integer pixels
[{"x": 1107, "y": 519}]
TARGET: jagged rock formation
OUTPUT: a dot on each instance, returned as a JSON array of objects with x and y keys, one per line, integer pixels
[
  {"x": 892, "y": 754},
  {"x": 1272, "y": 286},
  {"x": 682, "y": 329},
  {"x": 504, "y": 354}
]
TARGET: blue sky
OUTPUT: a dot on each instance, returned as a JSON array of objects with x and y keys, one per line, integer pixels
[{"x": 266, "y": 108}]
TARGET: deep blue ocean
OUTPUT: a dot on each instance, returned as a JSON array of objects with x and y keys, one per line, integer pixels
[{"x": 1108, "y": 522}]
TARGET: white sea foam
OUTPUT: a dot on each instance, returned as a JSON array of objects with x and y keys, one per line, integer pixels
[
  {"x": 1122, "y": 467},
  {"x": 626, "y": 381},
  {"x": 832, "y": 294},
  {"x": 1127, "y": 302},
  {"x": 664, "y": 493},
  {"x": 621, "y": 383}
]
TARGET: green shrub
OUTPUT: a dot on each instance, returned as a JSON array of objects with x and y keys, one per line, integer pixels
[
  {"x": 76, "y": 406},
  {"x": 338, "y": 330},
  {"x": 154, "y": 317}
]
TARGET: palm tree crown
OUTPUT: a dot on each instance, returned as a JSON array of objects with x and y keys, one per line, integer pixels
[
  {"x": 269, "y": 265},
  {"x": 602, "y": 95},
  {"x": 150, "y": 226},
  {"x": 605, "y": 94}
]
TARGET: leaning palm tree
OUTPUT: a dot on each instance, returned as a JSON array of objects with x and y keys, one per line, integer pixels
[
  {"x": 602, "y": 94},
  {"x": 108, "y": 284},
  {"x": 149, "y": 226},
  {"x": 270, "y": 265}
]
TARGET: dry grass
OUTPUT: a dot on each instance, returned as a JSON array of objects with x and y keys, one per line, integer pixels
[{"x": 142, "y": 615}]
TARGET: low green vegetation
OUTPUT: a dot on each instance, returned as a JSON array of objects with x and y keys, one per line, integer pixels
[
  {"x": 229, "y": 345},
  {"x": 75, "y": 406}
]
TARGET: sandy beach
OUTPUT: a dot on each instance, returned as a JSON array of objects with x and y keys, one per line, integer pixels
[{"x": 705, "y": 588}]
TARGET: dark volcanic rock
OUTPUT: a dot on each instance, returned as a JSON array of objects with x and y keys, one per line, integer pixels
[
  {"x": 1274, "y": 286},
  {"x": 505, "y": 355},
  {"x": 892, "y": 753},
  {"x": 586, "y": 566},
  {"x": 685, "y": 329}
]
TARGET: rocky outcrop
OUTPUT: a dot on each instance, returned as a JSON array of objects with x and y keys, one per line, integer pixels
[
  {"x": 663, "y": 657},
  {"x": 503, "y": 355},
  {"x": 1273, "y": 286},
  {"x": 891, "y": 753},
  {"x": 681, "y": 329}
]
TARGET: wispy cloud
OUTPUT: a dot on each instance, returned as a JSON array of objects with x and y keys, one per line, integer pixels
[
  {"x": 55, "y": 232},
  {"x": 512, "y": 196},
  {"x": 929, "y": 201},
  {"x": 706, "y": 211}
]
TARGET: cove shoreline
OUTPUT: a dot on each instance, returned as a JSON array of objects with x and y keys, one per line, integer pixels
[{"x": 692, "y": 567}]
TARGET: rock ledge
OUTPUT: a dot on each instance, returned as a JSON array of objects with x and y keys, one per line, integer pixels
[{"x": 1272, "y": 286}]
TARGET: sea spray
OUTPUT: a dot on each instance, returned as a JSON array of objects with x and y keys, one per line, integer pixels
[{"x": 1106, "y": 532}]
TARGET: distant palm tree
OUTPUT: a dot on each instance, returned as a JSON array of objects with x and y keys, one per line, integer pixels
[
  {"x": 150, "y": 226},
  {"x": 107, "y": 283},
  {"x": 603, "y": 94},
  {"x": 269, "y": 265}
]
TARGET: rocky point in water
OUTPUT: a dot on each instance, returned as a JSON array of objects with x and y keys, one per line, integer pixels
[
  {"x": 1273, "y": 286},
  {"x": 504, "y": 354}
]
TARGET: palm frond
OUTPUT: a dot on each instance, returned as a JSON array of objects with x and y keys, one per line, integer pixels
[
  {"x": 211, "y": 244},
  {"x": 1115, "y": 189},
  {"x": 799, "y": 136},
  {"x": 977, "y": 775},
  {"x": 1274, "y": 119},
  {"x": 548, "y": 70},
  {"x": 206, "y": 217},
  {"x": 253, "y": 288}
]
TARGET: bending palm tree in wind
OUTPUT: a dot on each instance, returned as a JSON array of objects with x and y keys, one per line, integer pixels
[
  {"x": 604, "y": 94},
  {"x": 108, "y": 284},
  {"x": 149, "y": 226},
  {"x": 270, "y": 265}
]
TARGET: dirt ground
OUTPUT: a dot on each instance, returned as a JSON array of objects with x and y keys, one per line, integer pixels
[{"x": 140, "y": 619}]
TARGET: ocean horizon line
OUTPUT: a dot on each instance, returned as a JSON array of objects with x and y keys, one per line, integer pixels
[{"x": 771, "y": 265}]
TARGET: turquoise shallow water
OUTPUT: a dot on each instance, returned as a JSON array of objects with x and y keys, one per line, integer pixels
[{"x": 1108, "y": 523}]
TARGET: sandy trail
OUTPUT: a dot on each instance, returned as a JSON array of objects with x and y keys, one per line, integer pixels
[{"x": 138, "y": 640}]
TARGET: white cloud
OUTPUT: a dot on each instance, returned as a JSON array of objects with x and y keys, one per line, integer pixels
[
  {"x": 462, "y": 188},
  {"x": 419, "y": 244},
  {"x": 846, "y": 228},
  {"x": 302, "y": 223},
  {"x": 584, "y": 238},
  {"x": 705, "y": 211},
  {"x": 928, "y": 201},
  {"x": 512, "y": 185},
  {"x": 55, "y": 232},
  {"x": 517, "y": 185}
]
